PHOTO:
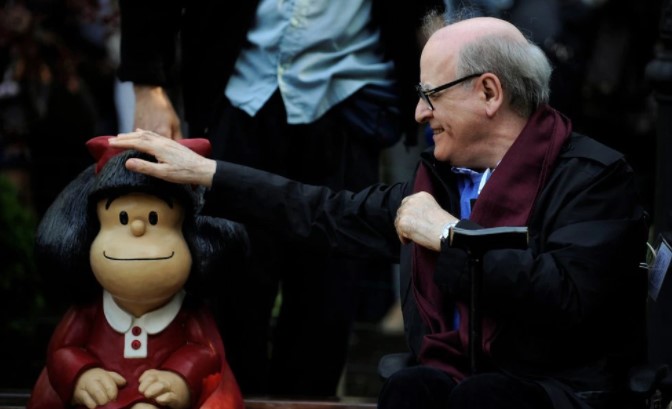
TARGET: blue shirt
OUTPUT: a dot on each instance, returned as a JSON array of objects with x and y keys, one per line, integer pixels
[
  {"x": 470, "y": 183},
  {"x": 318, "y": 52}
]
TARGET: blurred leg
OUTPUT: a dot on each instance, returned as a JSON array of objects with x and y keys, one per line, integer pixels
[
  {"x": 497, "y": 391},
  {"x": 417, "y": 387}
]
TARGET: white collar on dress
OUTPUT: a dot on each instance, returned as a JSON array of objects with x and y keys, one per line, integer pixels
[{"x": 153, "y": 321}]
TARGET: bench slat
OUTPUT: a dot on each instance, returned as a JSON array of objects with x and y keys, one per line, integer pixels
[{"x": 18, "y": 400}]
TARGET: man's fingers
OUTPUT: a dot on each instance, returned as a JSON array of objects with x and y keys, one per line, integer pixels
[
  {"x": 142, "y": 166},
  {"x": 137, "y": 136},
  {"x": 145, "y": 141}
]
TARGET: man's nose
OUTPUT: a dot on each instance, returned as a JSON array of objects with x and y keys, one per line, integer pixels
[{"x": 422, "y": 111}]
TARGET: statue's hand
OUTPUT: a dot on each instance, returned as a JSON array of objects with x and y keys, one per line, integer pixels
[
  {"x": 167, "y": 388},
  {"x": 143, "y": 405},
  {"x": 97, "y": 387}
]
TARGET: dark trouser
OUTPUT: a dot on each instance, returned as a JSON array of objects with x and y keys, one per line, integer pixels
[
  {"x": 310, "y": 339},
  {"x": 429, "y": 388}
]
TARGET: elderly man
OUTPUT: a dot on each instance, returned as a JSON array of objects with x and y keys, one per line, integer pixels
[{"x": 562, "y": 317}]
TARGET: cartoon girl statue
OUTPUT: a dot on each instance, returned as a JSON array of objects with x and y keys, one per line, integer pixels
[{"x": 136, "y": 337}]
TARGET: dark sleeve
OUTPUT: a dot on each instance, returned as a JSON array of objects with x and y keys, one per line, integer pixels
[
  {"x": 149, "y": 31},
  {"x": 584, "y": 252},
  {"x": 358, "y": 224}
]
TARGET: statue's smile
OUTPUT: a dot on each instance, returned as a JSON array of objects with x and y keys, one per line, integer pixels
[{"x": 138, "y": 259}]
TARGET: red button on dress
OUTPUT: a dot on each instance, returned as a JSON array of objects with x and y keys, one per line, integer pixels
[
  {"x": 136, "y": 331},
  {"x": 136, "y": 344}
]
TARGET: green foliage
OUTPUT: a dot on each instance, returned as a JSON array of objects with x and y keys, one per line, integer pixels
[
  {"x": 24, "y": 326},
  {"x": 20, "y": 290}
]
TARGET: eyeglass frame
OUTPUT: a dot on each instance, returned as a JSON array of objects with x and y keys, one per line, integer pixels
[{"x": 425, "y": 94}]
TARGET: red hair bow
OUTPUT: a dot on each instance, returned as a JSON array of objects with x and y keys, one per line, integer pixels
[{"x": 100, "y": 148}]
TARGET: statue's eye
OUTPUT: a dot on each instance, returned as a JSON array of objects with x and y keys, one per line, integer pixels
[
  {"x": 123, "y": 217},
  {"x": 153, "y": 218}
]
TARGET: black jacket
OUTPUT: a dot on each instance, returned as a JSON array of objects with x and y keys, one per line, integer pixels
[
  {"x": 212, "y": 33},
  {"x": 572, "y": 304}
]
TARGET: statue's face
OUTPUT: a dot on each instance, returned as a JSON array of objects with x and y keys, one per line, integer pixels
[{"x": 140, "y": 255}]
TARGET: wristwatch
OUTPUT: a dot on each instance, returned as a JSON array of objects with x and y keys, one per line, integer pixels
[{"x": 447, "y": 229}]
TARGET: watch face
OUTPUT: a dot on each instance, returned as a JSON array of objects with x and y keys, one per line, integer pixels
[{"x": 445, "y": 233}]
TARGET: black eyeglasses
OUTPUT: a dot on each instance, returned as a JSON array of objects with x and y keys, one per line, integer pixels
[{"x": 424, "y": 94}]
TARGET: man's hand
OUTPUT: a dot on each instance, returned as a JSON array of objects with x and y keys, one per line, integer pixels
[
  {"x": 176, "y": 163},
  {"x": 97, "y": 387},
  {"x": 420, "y": 219},
  {"x": 155, "y": 112},
  {"x": 167, "y": 388}
]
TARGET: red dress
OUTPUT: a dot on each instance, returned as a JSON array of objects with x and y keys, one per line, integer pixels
[{"x": 189, "y": 345}]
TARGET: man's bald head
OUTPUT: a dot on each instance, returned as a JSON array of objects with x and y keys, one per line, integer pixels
[
  {"x": 466, "y": 31},
  {"x": 488, "y": 44}
]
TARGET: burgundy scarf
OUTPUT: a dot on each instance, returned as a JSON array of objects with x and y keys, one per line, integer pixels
[{"x": 506, "y": 200}]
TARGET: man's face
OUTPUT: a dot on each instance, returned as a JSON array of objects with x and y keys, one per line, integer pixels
[
  {"x": 140, "y": 255},
  {"x": 454, "y": 120}
]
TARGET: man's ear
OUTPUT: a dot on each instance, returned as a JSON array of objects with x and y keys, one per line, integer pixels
[{"x": 492, "y": 91}]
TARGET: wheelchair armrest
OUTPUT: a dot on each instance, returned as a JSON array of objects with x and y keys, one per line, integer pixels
[
  {"x": 391, "y": 363},
  {"x": 643, "y": 380}
]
